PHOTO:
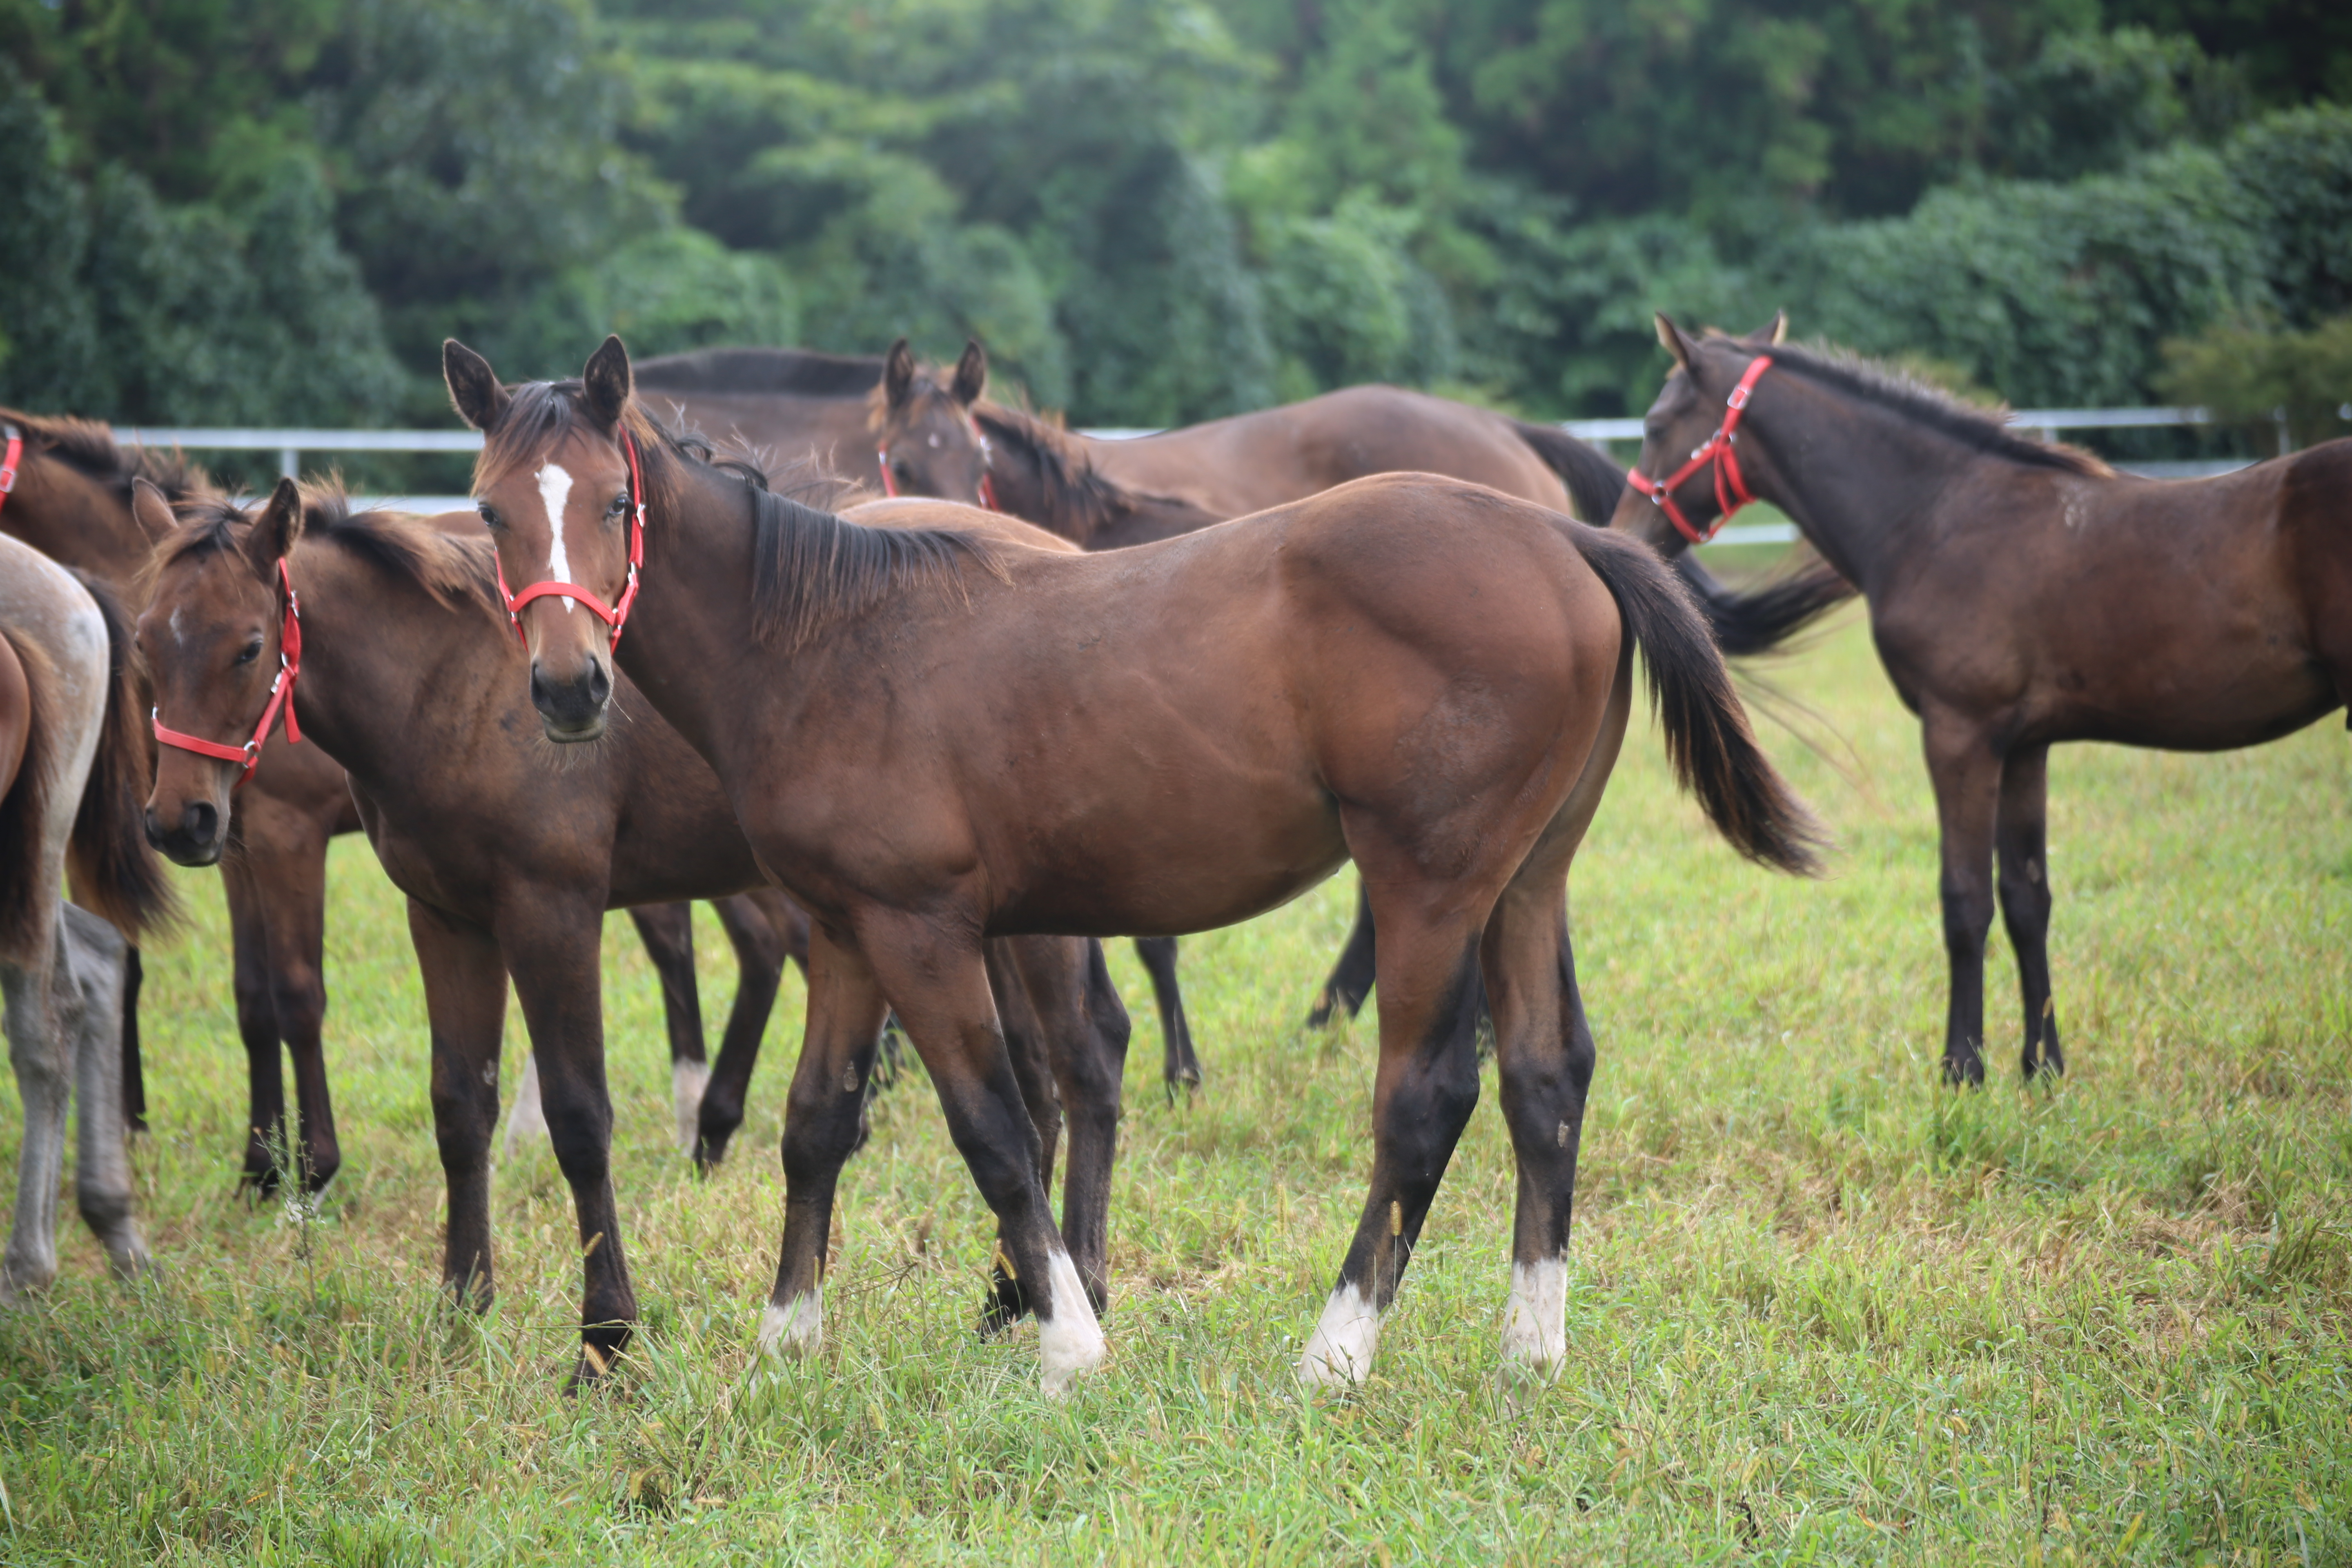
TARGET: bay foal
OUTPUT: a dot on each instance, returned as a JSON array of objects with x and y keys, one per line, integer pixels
[
  {"x": 511, "y": 849},
  {"x": 2021, "y": 594},
  {"x": 930, "y": 739}
]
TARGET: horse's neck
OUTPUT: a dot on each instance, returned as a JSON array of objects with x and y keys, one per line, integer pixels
[
  {"x": 1868, "y": 477},
  {"x": 692, "y": 626},
  {"x": 70, "y": 517},
  {"x": 372, "y": 654}
]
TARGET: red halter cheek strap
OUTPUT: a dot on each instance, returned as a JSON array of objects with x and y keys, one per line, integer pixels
[
  {"x": 281, "y": 697},
  {"x": 1730, "y": 485},
  {"x": 618, "y": 615},
  {"x": 987, "y": 484},
  {"x": 9, "y": 459}
]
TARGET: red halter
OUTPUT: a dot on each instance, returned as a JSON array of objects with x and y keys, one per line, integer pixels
[
  {"x": 618, "y": 615},
  {"x": 9, "y": 460},
  {"x": 1718, "y": 451},
  {"x": 281, "y": 697},
  {"x": 987, "y": 488}
]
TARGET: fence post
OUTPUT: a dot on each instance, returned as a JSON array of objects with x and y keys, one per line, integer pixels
[{"x": 290, "y": 462}]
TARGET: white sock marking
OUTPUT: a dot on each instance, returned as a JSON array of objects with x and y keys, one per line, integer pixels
[
  {"x": 796, "y": 1328},
  {"x": 687, "y": 1081},
  {"x": 554, "y": 489},
  {"x": 1341, "y": 1353},
  {"x": 528, "y": 1116},
  {"x": 1068, "y": 1339},
  {"x": 1535, "y": 1324}
]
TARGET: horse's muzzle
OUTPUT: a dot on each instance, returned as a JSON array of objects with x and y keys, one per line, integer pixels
[
  {"x": 196, "y": 839},
  {"x": 573, "y": 710}
]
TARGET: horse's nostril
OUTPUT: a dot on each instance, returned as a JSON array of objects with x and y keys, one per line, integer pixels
[
  {"x": 600, "y": 684},
  {"x": 200, "y": 822},
  {"x": 154, "y": 828},
  {"x": 539, "y": 692}
]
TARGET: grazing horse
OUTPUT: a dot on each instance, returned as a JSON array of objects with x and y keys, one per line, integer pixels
[
  {"x": 511, "y": 849},
  {"x": 791, "y": 404},
  {"x": 69, "y": 764},
  {"x": 2021, "y": 594},
  {"x": 930, "y": 738},
  {"x": 939, "y": 437}
]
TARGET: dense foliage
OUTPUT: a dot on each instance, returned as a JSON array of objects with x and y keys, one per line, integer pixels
[{"x": 1152, "y": 210}]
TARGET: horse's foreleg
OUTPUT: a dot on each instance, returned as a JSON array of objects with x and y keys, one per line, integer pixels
[
  {"x": 1352, "y": 974},
  {"x": 1966, "y": 771},
  {"x": 466, "y": 1007},
  {"x": 939, "y": 985},
  {"x": 1427, "y": 1087},
  {"x": 822, "y": 1117},
  {"x": 667, "y": 931},
  {"x": 134, "y": 1070},
  {"x": 39, "y": 1050},
  {"x": 287, "y": 855},
  {"x": 1087, "y": 1032},
  {"x": 1177, "y": 1064},
  {"x": 256, "y": 1026},
  {"x": 766, "y": 929},
  {"x": 550, "y": 938},
  {"x": 1025, "y": 1047},
  {"x": 2023, "y": 853},
  {"x": 94, "y": 955}
]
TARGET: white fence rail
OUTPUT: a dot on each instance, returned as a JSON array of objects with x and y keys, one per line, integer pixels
[{"x": 291, "y": 444}]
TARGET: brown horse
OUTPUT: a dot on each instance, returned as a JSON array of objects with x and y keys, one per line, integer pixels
[
  {"x": 509, "y": 851},
  {"x": 939, "y": 437},
  {"x": 793, "y": 404},
  {"x": 73, "y": 503},
  {"x": 930, "y": 738},
  {"x": 2022, "y": 595},
  {"x": 69, "y": 762}
]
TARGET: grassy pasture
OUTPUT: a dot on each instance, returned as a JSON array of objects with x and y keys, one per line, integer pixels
[{"x": 1823, "y": 1310}]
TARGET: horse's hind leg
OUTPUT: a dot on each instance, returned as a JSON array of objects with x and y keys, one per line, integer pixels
[
  {"x": 39, "y": 1050},
  {"x": 767, "y": 929},
  {"x": 134, "y": 1070},
  {"x": 466, "y": 1008},
  {"x": 94, "y": 955},
  {"x": 1025, "y": 1047},
  {"x": 1426, "y": 1088},
  {"x": 1352, "y": 974},
  {"x": 2023, "y": 853},
  {"x": 1086, "y": 1030},
  {"x": 1178, "y": 1065},
  {"x": 667, "y": 931}
]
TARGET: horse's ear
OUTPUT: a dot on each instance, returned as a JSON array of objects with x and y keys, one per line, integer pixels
[
  {"x": 1771, "y": 335},
  {"x": 608, "y": 382},
  {"x": 898, "y": 375},
  {"x": 971, "y": 374},
  {"x": 150, "y": 510},
  {"x": 474, "y": 389},
  {"x": 280, "y": 524},
  {"x": 1671, "y": 339}
]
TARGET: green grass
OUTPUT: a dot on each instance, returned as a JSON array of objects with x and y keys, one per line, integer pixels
[{"x": 1823, "y": 1310}]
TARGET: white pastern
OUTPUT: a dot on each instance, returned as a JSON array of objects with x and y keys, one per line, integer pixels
[
  {"x": 687, "y": 1081},
  {"x": 1341, "y": 1353},
  {"x": 554, "y": 489},
  {"x": 1068, "y": 1339},
  {"x": 793, "y": 1328},
  {"x": 527, "y": 1119},
  {"x": 1535, "y": 1324}
]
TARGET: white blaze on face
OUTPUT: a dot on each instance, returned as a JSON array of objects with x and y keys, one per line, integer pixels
[
  {"x": 687, "y": 1081},
  {"x": 554, "y": 489},
  {"x": 1535, "y": 1324},
  {"x": 793, "y": 1328},
  {"x": 1069, "y": 1340},
  {"x": 1341, "y": 1353}
]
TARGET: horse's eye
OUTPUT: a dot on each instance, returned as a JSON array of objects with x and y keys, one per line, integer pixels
[
  {"x": 250, "y": 652},
  {"x": 906, "y": 475},
  {"x": 620, "y": 506},
  {"x": 489, "y": 515}
]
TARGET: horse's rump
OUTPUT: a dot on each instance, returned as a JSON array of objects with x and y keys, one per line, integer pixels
[{"x": 25, "y": 898}]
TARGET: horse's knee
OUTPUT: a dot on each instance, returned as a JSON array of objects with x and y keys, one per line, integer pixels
[{"x": 299, "y": 1000}]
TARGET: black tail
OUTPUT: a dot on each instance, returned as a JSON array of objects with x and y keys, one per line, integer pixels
[
  {"x": 114, "y": 871},
  {"x": 1713, "y": 751},
  {"x": 1593, "y": 481},
  {"x": 1761, "y": 620}
]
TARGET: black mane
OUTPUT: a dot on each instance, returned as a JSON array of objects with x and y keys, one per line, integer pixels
[
  {"x": 1987, "y": 430},
  {"x": 89, "y": 446}
]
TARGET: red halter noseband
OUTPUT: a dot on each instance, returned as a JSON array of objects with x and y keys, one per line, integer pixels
[
  {"x": 281, "y": 697},
  {"x": 9, "y": 461},
  {"x": 1718, "y": 451},
  {"x": 987, "y": 488},
  {"x": 617, "y": 615}
]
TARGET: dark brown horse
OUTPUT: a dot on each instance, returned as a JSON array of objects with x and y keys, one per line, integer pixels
[
  {"x": 73, "y": 503},
  {"x": 930, "y": 738},
  {"x": 792, "y": 405},
  {"x": 511, "y": 851},
  {"x": 2022, "y": 595}
]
